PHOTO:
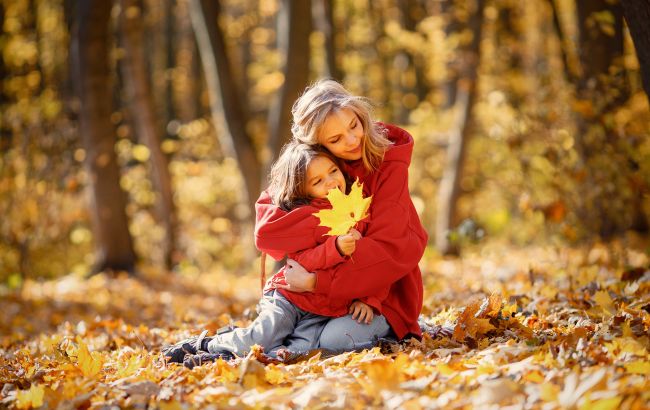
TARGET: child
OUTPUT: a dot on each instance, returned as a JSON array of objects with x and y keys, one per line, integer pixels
[{"x": 299, "y": 182}]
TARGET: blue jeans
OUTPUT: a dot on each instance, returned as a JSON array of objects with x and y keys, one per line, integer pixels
[{"x": 345, "y": 333}]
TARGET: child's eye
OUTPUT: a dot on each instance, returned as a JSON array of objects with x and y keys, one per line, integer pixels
[
  {"x": 334, "y": 171},
  {"x": 316, "y": 182},
  {"x": 335, "y": 140},
  {"x": 354, "y": 125}
]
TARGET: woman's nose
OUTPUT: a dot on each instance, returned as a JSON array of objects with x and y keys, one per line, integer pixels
[{"x": 351, "y": 139}]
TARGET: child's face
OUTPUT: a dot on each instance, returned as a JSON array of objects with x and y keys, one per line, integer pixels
[
  {"x": 342, "y": 134},
  {"x": 323, "y": 175}
]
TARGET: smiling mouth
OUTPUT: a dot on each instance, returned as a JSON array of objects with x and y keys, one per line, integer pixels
[{"x": 357, "y": 149}]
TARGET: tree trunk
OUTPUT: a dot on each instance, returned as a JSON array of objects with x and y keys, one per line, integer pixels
[
  {"x": 449, "y": 190},
  {"x": 324, "y": 18},
  {"x": 294, "y": 28},
  {"x": 453, "y": 27},
  {"x": 90, "y": 50},
  {"x": 637, "y": 15},
  {"x": 570, "y": 71},
  {"x": 186, "y": 90},
  {"x": 143, "y": 116},
  {"x": 599, "y": 50},
  {"x": 600, "y": 88},
  {"x": 5, "y": 132},
  {"x": 224, "y": 96},
  {"x": 411, "y": 12}
]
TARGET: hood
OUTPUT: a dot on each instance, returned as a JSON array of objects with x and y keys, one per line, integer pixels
[
  {"x": 402, "y": 147},
  {"x": 399, "y": 151}
]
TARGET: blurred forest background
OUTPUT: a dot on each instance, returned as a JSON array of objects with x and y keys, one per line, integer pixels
[{"x": 139, "y": 132}]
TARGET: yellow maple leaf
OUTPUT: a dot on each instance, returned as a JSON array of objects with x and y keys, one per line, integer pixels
[
  {"x": 638, "y": 367},
  {"x": 30, "y": 399},
  {"x": 605, "y": 302},
  {"x": 275, "y": 375},
  {"x": 89, "y": 364},
  {"x": 346, "y": 210}
]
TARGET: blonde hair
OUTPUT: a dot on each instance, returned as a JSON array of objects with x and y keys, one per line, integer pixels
[
  {"x": 325, "y": 97},
  {"x": 288, "y": 176}
]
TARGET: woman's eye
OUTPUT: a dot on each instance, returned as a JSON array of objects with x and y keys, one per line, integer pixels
[
  {"x": 354, "y": 125},
  {"x": 335, "y": 140}
]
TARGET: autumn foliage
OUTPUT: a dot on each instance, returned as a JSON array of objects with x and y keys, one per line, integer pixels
[
  {"x": 540, "y": 328},
  {"x": 548, "y": 303}
]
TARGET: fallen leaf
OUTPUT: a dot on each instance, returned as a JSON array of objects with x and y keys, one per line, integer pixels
[
  {"x": 30, "y": 399},
  {"x": 638, "y": 367},
  {"x": 605, "y": 302}
]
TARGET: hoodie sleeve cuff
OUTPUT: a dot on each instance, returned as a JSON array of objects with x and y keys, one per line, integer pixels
[
  {"x": 373, "y": 302},
  {"x": 333, "y": 255}
]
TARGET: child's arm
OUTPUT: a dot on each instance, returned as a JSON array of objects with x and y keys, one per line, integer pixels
[
  {"x": 330, "y": 253},
  {"x": 323, "y": 256}
]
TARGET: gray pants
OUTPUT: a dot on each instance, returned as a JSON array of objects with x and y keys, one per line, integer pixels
[
  {"x": 345, "y": 333},
  {"x": 281, "y": 324}
]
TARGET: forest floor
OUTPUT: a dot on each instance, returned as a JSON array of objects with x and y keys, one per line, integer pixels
[{"x": 544, "y": 327}]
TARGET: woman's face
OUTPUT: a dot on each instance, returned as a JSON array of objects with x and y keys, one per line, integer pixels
[
  {"x": 323, "y": 175},
  {"x": 342, "y": 134}
]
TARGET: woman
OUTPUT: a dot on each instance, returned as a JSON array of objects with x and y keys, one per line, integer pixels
[{"x": 386, "y": 258}]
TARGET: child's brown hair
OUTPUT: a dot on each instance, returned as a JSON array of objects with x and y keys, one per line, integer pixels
[{"x": 288, "y": 176}]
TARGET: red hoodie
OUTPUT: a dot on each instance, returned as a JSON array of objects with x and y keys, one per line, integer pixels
[
  {"x": 389, "y": 252},
  {"x": 386, "y": 257},
  {"x": 296, "y": 234}
]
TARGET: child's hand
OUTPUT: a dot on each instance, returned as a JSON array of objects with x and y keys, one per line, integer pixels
[
  {"x": 361, "y": 312},
  {"x": 346, "y": 244},
  {"x": 355, "y": 234}
]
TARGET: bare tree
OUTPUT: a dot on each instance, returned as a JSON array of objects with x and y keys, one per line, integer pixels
[
  {"x": 449, "y": 189},
  {"x": 323, "y": 11},
  {"x": 637, "y": 15},
  {"x": 602, "y": 87},
  {"x": 90, "y": 50},
  {"x": 143, "y": 117},
  {"x": 226, "y": 105},
  {"x": 294, "y": 28},
  {"x": 5, "y": 134},
  {"x": 186, "y": 91}
]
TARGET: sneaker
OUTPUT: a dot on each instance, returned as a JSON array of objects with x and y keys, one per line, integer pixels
[
  {"x": 192, "y": 360},
  {"x": 176, "y": 353}
]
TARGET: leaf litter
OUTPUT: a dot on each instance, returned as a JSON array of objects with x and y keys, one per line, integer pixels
[{"x": 532, "y": 328}]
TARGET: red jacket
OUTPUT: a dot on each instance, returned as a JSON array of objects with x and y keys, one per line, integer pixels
[
  {"x": 296, "y": 234},
  {"x": 389, "y": 252}
]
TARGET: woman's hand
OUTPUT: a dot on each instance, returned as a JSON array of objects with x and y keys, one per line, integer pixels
[{"x": 297, "y": 278}]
